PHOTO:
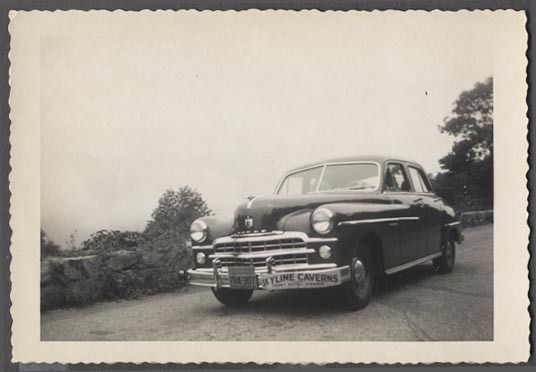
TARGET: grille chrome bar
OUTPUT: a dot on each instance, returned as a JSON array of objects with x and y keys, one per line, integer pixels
[
  {"x": 294, "y": 244},
  {"x": 261, "y": 263},
  {"x": 254, "y": 238},
  {"x": 264, "y": 254},
  {"x": 262, "y": 237}
]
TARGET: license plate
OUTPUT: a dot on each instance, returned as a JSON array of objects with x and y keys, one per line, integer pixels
[
  {"x": 242, "y": 277},
  {"x": 317, "y": 279}
]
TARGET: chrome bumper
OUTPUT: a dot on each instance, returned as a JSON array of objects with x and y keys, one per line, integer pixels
[{"x": 290, "y": 277}]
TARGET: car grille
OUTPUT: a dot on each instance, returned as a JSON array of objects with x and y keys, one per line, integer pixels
[
  {"x": 278, "y": 248},
  {"x": 240, "y": 247}
]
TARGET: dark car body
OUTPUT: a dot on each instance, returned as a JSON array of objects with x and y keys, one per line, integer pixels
[{"x": 273, "y": 235}]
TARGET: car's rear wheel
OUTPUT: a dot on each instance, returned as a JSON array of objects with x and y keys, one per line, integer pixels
[
  {"x": 358, "y": 290},
  {"x": 445, "y": 263},
  {"x": 232, "y": 297}
]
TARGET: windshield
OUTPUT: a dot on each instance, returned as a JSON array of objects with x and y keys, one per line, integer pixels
[{"x": 335, "y": 177}]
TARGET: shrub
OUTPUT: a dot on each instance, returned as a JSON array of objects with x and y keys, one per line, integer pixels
[
  {"x": 48, "y": 247},
  {"x": 114, "y": 264}
]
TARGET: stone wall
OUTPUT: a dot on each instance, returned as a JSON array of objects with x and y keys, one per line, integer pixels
[
  {"x": 477, "y": 218},
  {"x": 126, "y": 273}
]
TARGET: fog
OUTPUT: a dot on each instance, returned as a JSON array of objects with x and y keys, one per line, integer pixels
[{"x": 133, "y": 104}]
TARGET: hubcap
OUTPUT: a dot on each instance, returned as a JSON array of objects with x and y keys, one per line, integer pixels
[{"x": 360, "y": 273}]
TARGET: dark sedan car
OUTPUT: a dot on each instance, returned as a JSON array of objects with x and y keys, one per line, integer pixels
[{"x": 340, "y": 222}]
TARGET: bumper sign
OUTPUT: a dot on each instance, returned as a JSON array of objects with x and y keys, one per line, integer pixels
[{"x": 309, "y": 279}]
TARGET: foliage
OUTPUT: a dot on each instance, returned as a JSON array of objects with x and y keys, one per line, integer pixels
[
  {"x": 71, "y": 242},
  {"x": 468, "y": 178},
  {"x": 48, "y": 247},
  {"x": 111, "y": 240},
  {"x": 175, "y": 213},
  {"x": 115, "y": 264}
]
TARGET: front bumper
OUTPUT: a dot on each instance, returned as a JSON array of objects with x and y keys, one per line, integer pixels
[{"x": 300, "y": 276}]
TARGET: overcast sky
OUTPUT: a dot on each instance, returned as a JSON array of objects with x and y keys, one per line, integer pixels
[{"x": 134, "y": 104}]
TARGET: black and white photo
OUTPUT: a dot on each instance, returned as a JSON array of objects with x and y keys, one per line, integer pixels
[{"x": 272, "y": 177}]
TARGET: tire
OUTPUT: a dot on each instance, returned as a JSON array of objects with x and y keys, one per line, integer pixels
[
  {"x": 445, "y": 263},
  {"x": 358, "y": 290},
  {"x": 232, "y": 297}
]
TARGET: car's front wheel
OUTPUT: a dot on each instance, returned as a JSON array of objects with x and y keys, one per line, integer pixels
[
  {"x": 358, "y": 290},
  {"x": 232, "y": 297},
  {"x": 445, "y": 263}
]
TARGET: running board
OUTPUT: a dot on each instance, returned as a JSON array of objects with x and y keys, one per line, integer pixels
[{"x": 407, "y": 265}]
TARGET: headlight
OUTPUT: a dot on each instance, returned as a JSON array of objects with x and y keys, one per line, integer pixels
[
  {"x": 322, "y": 220},
  {"x": 198, "y": 231}
]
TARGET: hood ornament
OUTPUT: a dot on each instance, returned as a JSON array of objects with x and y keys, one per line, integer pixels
[
  {"x": 250, "y": 201},
  {"x": 248, "y": 223}
]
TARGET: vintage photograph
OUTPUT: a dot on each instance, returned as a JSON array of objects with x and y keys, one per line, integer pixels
[
  {"x": 268, "y": 176},
  {"x": 217, "y": 193}
]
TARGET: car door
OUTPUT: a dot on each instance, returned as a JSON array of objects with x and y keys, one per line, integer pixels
[
  {"x": 431, "y": 206},
  {"x": 411, "y": 224}
]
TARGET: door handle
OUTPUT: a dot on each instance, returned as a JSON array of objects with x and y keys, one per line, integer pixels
[{"x": 417, "y": 200}]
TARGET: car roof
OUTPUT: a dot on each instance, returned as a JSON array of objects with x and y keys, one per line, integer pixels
[{"x": 375, "y": 158}]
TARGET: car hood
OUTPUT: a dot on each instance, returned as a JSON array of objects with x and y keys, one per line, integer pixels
[{"x": 272, "y": 212}]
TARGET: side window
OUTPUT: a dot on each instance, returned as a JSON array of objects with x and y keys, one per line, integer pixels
[
  {"x": 396, "y": 178},
  {"x": 418, "y": 180}
]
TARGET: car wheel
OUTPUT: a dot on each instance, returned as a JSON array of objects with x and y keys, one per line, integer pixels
[
  {"x": 358, "y": 290},
  {"x": 232, "y": 297},
  {"x": 445, "y": 263}
]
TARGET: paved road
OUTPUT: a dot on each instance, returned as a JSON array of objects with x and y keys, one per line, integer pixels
[{"x": 415, "y": 305}]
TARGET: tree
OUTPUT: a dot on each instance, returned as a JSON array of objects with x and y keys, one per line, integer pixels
[
  {"x": 48, "y": 247},
  {"x": 468, "y": 177},
  {"x": 111, "y": 240},
  {"x": 175, "y": 212}
]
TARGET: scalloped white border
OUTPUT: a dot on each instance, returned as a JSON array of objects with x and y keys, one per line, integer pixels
[{"x": 511, "y": 318}]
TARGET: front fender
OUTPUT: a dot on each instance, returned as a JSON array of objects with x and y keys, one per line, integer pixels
[{"x": 218, "y": 226}]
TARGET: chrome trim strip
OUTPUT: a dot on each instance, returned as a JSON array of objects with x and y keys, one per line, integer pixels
[
  {"x": 201, "y": 284},
  {"x": 407, "y": 265},
  {"x": 252, "y": 235},
  {"x": 283, "y": 268},
  {"x": 201, "y": 271},
  {"x": 264, "y": 254},
  {"x": 378, "y": 220},
  {"x": 453, "y": 223},
  {"x": 208, "y": 273},
  {"x": 250, "y": 201},
  {"x": 201, "y": 247},
  {"x": 321, "y": 240}
]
